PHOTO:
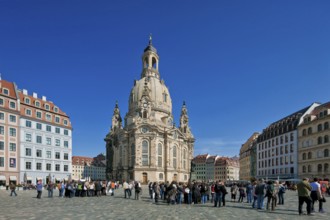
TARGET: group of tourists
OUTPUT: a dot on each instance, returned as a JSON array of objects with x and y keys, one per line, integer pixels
[
  {"x": 309, "y": 193},
  {"x": 196, "y": 192}
]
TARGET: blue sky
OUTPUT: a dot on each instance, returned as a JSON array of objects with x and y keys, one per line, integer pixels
[{"x": 239, "y": 65}]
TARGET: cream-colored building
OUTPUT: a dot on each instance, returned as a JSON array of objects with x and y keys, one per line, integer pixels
[
  {"x": 314, "y": 145},
  {"x": 245, "y": 160},
  {"x": 88, "y": 168},
  {"x": 148, "y": 146},
  {"x": 226, "y": 169}
]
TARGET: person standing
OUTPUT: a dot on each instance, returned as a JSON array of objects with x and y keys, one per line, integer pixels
[
  {"x": 50, "y": 188},
  {"x": 260, "y": 192},
  {"x": 281, "y": 191},
  {"x": 316, "y": 195},
  {"x": 137, "y": 189},
  {"x": 12, "y": 189},
  {"x": 303, "y": 192},
  {"x": 270, "y": 192},
  {"x": 218, "y": 194},
  {"x": 39, "y": 189},
  {"x": 233, "y": 190},
  {"x": 224, "y": 193},
  {"x": 249, "y": 192},
  {"x": 255, "y": 197}
]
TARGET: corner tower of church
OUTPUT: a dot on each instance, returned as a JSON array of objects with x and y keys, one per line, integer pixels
[{"x": 149, "y": 147}]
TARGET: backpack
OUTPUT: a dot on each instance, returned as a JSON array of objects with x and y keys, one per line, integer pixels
[{"x": 282, "y": 189}]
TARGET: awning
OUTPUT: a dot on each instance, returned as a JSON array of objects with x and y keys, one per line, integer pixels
[
  {"x": 13, "y": 178},
  {"x": 39, "y": 178},
  {"x": 28, "y": 178},
  {"x": 2, "y": 178}
]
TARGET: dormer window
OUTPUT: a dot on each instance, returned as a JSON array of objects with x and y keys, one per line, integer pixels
[
  {"x": 321, "y": 114},
  {"x": 57, "y": 119},
  {"x": 47, "y": 107},
  {"x": 27, "y": 101},
  {"x": 56, "y": 109},
  {"x": 5, "y": 91},
  {"x": 37, "y": 104},
  {"x": 65, "y": 122}
]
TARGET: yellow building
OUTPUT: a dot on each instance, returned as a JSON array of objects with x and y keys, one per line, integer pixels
[
  {"x": 314, "y": 145},
  {"x": 245, "y": 159}
]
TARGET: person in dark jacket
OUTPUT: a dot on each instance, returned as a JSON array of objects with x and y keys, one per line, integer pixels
[{"x": 218, "y": 194}]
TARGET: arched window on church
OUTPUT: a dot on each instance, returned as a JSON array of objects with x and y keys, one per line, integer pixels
[
  {"x": 304, "y": 156},
  {"x": 304, "y": 169},
  {"x": 174, "y": 156},
  {"x": 160, "y": 155},
  {"x": 184, "y": 159},
  {"x": 132, "y": 155},
  {"x": 154, "y": 63},
  {"x": 319, "y": 168},
  {"x": 326, "y": 167},
  {"x": 309, "y": 155},
  {"x": 145, "y": 153},
  {"x": 326, "y": 125},
  {"x": 146, "y": 62},
  {"x": 309, "y": 168}
]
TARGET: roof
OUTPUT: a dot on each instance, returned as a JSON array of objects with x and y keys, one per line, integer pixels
[
  {"x": 320, "y": 108},
  {"x": 200, "y": 158},
  {"x": 11, "y": 89}
]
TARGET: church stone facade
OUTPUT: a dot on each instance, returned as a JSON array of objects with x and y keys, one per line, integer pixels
[{"x": 146, "y": 145}]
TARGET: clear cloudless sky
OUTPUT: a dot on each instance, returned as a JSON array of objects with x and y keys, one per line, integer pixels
[{"x": 239, "y": 65}]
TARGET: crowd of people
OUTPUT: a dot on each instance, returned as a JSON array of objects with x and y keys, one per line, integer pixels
[{"x": 196, "y": 192}]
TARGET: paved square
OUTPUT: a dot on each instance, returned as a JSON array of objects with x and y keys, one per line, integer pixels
[{"x": 26, "y": 206}]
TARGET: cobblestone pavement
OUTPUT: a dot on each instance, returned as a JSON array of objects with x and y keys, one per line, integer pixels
[{"x": 26, "y": 206}]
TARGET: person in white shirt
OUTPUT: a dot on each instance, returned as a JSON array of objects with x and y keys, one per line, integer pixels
[{"x": 316, "y": 195}]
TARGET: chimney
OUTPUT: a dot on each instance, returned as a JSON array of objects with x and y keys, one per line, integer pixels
[
  {"x": 25, "y": 92},
  {"x": 35, "y": 95},
  {"x": 44, "y": 98}
]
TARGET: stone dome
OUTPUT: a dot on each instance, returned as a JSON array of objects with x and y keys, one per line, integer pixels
[{"x": 160, "y": 99}]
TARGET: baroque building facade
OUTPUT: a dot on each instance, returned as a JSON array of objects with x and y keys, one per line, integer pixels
[
  {"x": 314, "y": 143},
  {"x": 246, "y": 158},
  {"x": 148, "y": 146}
]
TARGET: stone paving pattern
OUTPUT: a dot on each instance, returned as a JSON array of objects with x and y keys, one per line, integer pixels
[{"x": 27, "y": 206}]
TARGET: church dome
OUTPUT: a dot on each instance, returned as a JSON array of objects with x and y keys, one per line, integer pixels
[
  {"x": 150, "y": 91},
  {"x": 160, "y": 99}
]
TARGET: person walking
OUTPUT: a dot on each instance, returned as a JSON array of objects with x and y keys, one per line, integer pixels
[
  {"x": 12, "y": 189},
  {"x": 316, "y": 195},
  {"x": 303, "y": 193},
  {"x": 39, "y": 189}
]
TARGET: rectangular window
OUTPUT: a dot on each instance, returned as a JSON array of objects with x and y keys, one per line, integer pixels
[
  {"x": 12, "y": 147},
  {"x": 28, "y": 112},
  {"x": 57, "y": 142},
  {"x": 65, "y": 122},
  {"x": 2, "y": 145},
  {"x": 145, "y": 160},
  {"x": 28, "y": 152},
  {"x": 48, "y": 167},
  {"x": 49, "y": 128},
  {"x": 66, "y": 132},
  {"x": 57, "y": 155},
  {"x": 1, "y": 102},
  {"x": 66, "y": 168},
  {"x": 2, "y": 161},
  {"x": 38, "y": 166},
  {"x": 28, "y": 165},
  {"x": 57, "y": 130},
  {"x": 12, "y": 118},
  {"x": 39, "y": 126},
  {"x": 2, "y": 130},
  {"x": 57, "y": 167},
  {"x": 39, "y": 153},
  {"x": 12, "y": 162},
  {"x": 28, "y": 124},
  {"x": 48, "y": 117},
  {"x": 49, "y": 141},
  {"x": 66, "y": 144},
  {"x": 12, "y": 132},
  {"x": 66, "y": 156},
  {"x": 39, "y": 139},
  {"x": 49, "y": 154},
  {"x": 2, "y": 116},
  {"x": 38, "y": 114},
  {"x": 28, "y": 137},
  {"x": 12, "y": 105}
]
